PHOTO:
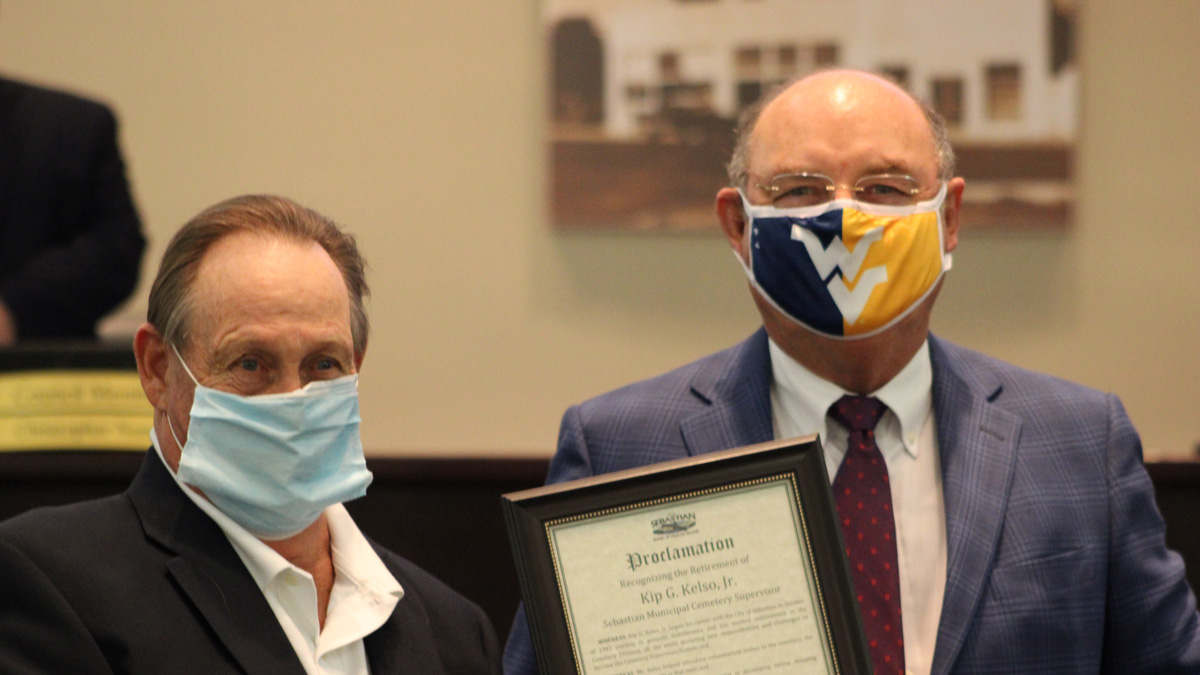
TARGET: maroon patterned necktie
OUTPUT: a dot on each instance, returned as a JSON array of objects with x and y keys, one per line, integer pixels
[{"x": 864, "y": 504}]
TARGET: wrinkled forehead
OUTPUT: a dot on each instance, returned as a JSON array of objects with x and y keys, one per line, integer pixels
[{"x": 254, "y": 278}]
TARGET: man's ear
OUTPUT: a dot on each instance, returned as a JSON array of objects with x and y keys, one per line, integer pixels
[
  {"x": 150, "y": 350},
  {"x": 358, "y": 358},
  {"x": 733, "y": 220},
  {"x": 952, "y": 209}
]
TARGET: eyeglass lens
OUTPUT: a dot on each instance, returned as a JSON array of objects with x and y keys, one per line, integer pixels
[{"x": 808, "y": 189}]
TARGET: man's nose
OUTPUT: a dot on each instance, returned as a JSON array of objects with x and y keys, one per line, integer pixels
[
  {"x": 288, "y": 381},
  {"x": 844, "y": 192}
]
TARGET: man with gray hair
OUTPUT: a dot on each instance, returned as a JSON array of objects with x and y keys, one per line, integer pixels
[
  {"x": 995, "y": 520},
  {"x": 231, "y": 551}
]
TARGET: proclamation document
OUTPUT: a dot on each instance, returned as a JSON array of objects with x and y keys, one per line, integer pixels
[{"x": 719, "y": 581}]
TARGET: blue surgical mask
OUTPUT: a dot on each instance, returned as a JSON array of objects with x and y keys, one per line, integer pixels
[{"x": 274, "y": 462}]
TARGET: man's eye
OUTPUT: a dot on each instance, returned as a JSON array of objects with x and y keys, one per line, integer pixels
[
  {"x": 882, "y": 190},
  {"x": 326, "y": 364},
  {"x": 801, "y": 193},
  {"x": 250, "y": 365}
]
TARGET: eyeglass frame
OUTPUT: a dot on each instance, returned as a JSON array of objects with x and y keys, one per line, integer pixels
[{"x": 832, "y": 187}]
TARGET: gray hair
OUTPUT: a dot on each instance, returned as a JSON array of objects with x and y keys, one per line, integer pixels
[
  {"x": 171, "y": 305},
  {"x": 738, "y": 166}
]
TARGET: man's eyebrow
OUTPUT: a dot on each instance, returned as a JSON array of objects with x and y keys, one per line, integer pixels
[
  {"x": 873, "y": 169},
  {"x": 792, "y": 169},
  {"x": 240, "y": 344},
  {"x": 331, "y": 345},
  {"x": 789, "y": 171},
  {"x": 890, "y": 166}
]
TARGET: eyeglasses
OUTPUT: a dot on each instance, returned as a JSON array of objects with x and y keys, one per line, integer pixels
[{"x": 792, "y": 190}]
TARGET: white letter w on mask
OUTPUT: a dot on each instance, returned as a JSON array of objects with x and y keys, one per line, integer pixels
[
  {"x": 837, "y": 257},
  {"x": 846, "y": 269}
]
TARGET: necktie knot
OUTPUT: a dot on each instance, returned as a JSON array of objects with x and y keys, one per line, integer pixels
[{"x": 857, "y": 413}]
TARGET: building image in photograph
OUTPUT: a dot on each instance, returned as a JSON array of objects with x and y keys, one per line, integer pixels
[{"x": 644, "y": 95}]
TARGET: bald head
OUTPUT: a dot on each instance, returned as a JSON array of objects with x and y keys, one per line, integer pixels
[{"x": 826, "y": 105}]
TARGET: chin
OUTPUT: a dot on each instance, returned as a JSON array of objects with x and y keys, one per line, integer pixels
[{"x": 797, "y": 339}]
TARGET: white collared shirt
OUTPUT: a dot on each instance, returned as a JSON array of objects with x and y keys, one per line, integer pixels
[
  {"x": 907, "y": 438},
  {"x": 364, "y": 592}
]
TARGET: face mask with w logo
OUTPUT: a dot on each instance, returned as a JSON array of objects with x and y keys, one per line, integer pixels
[{"x": 846, "y": 269}]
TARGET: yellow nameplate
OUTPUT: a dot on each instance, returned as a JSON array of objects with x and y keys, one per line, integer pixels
[{"x": 73, "y": 410}]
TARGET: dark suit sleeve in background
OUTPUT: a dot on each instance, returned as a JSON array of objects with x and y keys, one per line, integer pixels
[{"x": 70, "y": 237}]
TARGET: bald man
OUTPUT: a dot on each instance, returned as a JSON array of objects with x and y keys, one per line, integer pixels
[{"x": 1011, "y": 525}]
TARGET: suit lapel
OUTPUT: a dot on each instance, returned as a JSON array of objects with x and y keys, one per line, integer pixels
[
  {"x": 738, "y": 399},
  {"x": 404, "y": 643},
  {"x": 210, "y": 574},
  {"x": 978, "y": 443}
]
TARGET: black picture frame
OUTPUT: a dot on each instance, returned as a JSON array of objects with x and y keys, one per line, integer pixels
[{"x": 529, "y": 515}]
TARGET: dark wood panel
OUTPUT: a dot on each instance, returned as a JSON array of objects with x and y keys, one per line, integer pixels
[
  {"x": 444, "y": 513},
  {"x": 1177, "y": 490}
]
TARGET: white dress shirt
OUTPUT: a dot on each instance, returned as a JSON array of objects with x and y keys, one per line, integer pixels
[
  {"x": 907, "y": 438},
  {"x": 363, "y": 597}
]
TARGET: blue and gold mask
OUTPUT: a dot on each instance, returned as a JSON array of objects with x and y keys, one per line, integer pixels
[{"x": 847, "y": 269}]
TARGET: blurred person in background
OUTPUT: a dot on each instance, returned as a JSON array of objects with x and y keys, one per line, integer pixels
[{"x": 70, "y": 237}]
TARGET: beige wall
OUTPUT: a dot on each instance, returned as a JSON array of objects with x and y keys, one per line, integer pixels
[{"x": 418, "y": 125}]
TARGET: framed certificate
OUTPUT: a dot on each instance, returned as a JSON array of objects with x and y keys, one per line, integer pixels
[{"x": 729, "y": 562}]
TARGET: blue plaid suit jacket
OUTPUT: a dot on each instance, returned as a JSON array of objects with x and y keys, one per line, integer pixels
[{"x": 1056, "y": 554}]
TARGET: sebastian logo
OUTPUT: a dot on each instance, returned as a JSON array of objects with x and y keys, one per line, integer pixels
[{"x": 673, "y": 523}]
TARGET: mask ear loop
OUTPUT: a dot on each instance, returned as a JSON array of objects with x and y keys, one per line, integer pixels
[
  {"x": 947, "y": 256},
  {"x": 184, "y": 364},
  {"x": 170, "y": 424},
  {"x": 748, "y": 236}
]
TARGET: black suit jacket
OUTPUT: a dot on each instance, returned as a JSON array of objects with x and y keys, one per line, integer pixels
[
  {"x": 145, "y": 582},
  {"x": 70, "y": 238}
]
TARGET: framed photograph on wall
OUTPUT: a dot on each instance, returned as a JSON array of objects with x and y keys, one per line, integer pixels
[{"x": 644, "y": 96}]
